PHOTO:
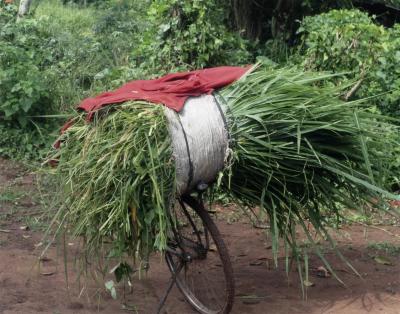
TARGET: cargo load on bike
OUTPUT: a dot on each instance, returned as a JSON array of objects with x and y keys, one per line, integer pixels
[{"x": 135, "y": 166}]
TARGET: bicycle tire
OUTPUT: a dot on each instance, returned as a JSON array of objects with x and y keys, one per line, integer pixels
[{"x": 190, "y": 295}]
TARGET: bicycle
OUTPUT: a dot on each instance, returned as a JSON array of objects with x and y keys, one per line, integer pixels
[{"x": 198, "y": 259}]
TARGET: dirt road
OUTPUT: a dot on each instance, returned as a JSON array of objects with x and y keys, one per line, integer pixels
[{"x": 29, "y": 286}]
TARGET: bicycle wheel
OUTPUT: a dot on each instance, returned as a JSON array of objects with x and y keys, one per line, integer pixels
[{"x": 199, "y": 259}]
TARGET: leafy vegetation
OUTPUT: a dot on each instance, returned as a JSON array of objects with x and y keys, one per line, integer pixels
[
  {"x": 64, "y": 51},
  {"x": 350, "y": 41},
  {"x": 189, "y": 34},
  {"x": 49, "y": 63},
  {"x": 23, "y": 89}
]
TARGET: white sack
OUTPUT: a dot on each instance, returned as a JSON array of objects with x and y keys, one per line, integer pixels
[{"x": 200, "y": 141}]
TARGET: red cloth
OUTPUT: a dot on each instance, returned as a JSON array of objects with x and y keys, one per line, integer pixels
[{"x": 172, "y": 90}]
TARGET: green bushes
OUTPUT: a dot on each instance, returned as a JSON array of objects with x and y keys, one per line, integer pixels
[
  {"x": 64, "y": 53},
  {"x": 24, "y": 144},
  {"x": 23, "y": 89},
  {"x": 188, "y": 34},
  {"x": 349, "y": 41},
  {"x": 50, "y": 61}
]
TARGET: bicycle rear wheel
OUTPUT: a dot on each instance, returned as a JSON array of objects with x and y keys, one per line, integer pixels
[{"x": 199, "y": 259}]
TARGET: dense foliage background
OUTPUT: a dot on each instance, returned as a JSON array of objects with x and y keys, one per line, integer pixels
[{"x": 64, "y": 51}]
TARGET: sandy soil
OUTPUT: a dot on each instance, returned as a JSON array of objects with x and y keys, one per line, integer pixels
[{"x": 31, "y": 286}]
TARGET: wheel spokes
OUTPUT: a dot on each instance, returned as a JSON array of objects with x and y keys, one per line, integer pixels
[{"x": 207, "y": 287}]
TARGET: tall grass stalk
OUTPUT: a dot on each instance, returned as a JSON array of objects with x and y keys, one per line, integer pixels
[
  {"x": 301, "y": 153},
  {"x": 118, "y": 180}
]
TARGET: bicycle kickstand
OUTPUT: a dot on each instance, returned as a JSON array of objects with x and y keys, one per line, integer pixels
[{"x": 173, "y": 280}]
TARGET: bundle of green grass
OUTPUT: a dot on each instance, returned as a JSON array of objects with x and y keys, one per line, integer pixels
[{"x": 299, "y": 153}]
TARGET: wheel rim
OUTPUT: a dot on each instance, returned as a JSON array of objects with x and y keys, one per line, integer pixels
[{"x": 202, "y": 276}]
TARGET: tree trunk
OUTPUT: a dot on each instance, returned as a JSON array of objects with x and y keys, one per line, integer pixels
[
  {"x": 23, "y": 9},
  {"x": 248, "y": 17}
]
